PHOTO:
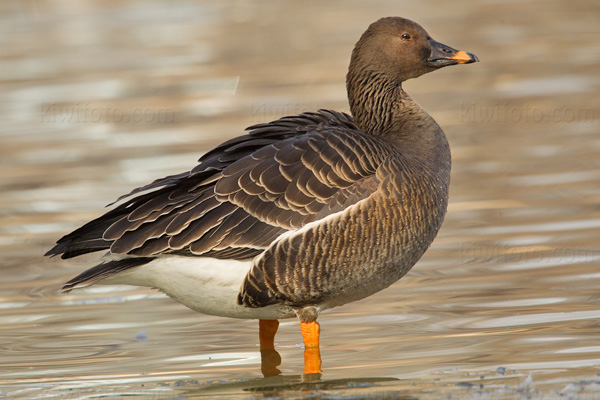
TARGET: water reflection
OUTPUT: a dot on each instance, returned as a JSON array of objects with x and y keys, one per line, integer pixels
[{"x": 290, "y": 385}]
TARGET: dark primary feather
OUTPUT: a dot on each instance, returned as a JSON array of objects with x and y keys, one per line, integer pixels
[
  {"x": 104, "y": 270},
  {"x": 241, "y": 196}
]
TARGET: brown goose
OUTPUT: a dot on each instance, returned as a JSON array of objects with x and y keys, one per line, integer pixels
[{"x": 300, "y": 214}]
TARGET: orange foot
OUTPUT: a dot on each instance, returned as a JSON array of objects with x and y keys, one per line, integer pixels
[
  {"x": 312, "y": 354},
  {"x": 269, "y": 357}
]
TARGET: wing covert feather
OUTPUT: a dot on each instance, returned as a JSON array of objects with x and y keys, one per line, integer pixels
[{"x": 244, "y": 193}]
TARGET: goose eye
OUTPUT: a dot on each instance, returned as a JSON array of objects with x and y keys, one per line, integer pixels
[{"x": 405, "y": 36}]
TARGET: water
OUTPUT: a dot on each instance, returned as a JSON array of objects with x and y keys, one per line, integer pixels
[{"x": 100, "y": 97}]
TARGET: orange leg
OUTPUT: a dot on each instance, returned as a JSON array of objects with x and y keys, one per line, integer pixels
[
  {"x": 312, "y": 354},
  {"x": 269, "y": 357},
  {"x": 267, "y": 328}
]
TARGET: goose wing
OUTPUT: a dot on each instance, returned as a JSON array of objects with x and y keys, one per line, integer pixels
[{"x": 243, "y": 194}]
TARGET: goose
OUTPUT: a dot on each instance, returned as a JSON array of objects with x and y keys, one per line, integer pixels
[{"x": 296, "y": 216}]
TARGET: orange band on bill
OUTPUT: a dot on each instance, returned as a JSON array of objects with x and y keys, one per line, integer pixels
[{"x": 462, "y": 57}]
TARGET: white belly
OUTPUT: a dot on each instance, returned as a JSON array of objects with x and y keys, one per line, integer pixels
[{"x": 206, "y": 285}]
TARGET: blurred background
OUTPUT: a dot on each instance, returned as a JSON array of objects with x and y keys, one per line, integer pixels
[{"x": 99, "y": 97}]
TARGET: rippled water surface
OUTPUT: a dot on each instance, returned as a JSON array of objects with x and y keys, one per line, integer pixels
[{"x": 98, "y": 97}]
